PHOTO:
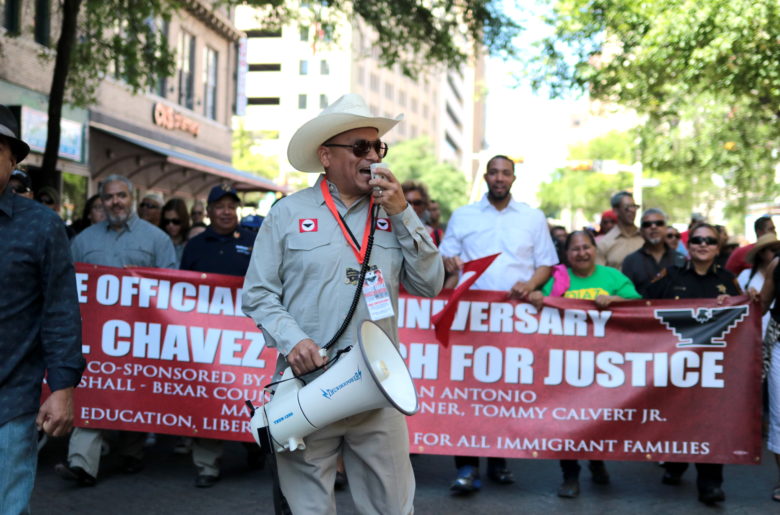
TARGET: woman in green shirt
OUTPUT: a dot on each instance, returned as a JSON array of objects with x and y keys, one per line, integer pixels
[{"x": 582, "y": 278}]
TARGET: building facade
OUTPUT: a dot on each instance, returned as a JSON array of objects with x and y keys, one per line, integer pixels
[
  {"x": 294, "y": 72},
  {"x": 175, "y": 140}
]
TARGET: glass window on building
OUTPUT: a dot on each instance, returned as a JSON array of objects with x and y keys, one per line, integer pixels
[
  {"x": 374, "y": 82},
  {"x": 304, "y": 33},
  {"x": 302, "y": 101},
  {"x": 11, "y": 11},
  {"x": 186, "y": 69},
  {"x": 210, "y": 62},
  {"x": 324, "y": 67},
  {"x": 303, "y": 67},
  {"x": 361, "y": 75},
  {"x": 42, "y": 22},
  {"x": 263, "y": 101},
  {"x": 389, "y": 92},
  {"x": 402, "y": 98},
  {"x": 323, "y": 101},
  {"x": 161, "y": 85},
  {"x": 327, "y": 33},
  {"x": 414, "y": 105}
]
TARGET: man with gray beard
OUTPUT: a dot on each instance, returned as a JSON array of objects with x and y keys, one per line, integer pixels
[
  {"x": 123, "y": 239},
  {"x": 654, "y": 255}
]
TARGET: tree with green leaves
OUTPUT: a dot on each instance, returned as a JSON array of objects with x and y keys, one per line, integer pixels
[
  {"x": 101, "y": 37},
  {"x": 706, "y": 76},
  {"x": 582, "y": 188},
  {"x": 412, "y": 159},
  {"x": 245, "y": 159}
]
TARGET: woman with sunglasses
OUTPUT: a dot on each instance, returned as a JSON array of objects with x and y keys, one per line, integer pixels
[
  {"x": 175, "y": 221},
  {"x": 699, "y": 278},
  {"x": 582, "y": 278}
]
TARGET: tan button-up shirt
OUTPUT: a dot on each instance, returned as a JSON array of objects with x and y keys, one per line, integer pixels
[
  {"x": 616, "y": 245},
  {"x": 301, "y": 277}
]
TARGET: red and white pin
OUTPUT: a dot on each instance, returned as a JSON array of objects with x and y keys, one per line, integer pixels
[
  {"x": 383, "y": 224},
  {"x": 307, "y": 225}
]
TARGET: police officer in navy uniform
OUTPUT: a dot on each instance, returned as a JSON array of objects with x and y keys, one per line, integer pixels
[
  {"x": 699, "y": 278},
  {"x": 223, "y": 248}
]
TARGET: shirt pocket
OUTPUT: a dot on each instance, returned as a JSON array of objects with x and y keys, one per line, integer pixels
[
  {"x": 139, "y": 257},
  {"x": 312, "y": 254},
  {"x": 519, "y": 242},
  {"x": 97, "y": 257}
]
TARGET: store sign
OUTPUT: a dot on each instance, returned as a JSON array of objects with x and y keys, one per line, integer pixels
[
  {"x": 168, "y": 118},
  {"x": 35, "y": 131}
]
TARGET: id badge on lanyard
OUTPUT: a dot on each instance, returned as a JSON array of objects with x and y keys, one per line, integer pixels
[{"x": 377, "y": 296}]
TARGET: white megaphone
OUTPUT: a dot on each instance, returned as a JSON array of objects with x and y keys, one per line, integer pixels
[{"x": 372, "y": 375}]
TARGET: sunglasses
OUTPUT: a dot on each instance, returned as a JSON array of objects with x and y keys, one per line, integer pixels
[
  {"x": 699, "y": 240},
  {"x": 651, "y": 223},
  {"x": 21, "y": 189},
  {"x": 673, "y": 236},
  {"x": 416, "y": 202},
  {"x": 147, "y": 205},
  {"x": 174, "y": 221},
  {"x": 362, "y": 147}
]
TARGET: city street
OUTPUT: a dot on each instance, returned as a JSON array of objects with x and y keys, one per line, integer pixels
[{"x": 166, "y": 487}]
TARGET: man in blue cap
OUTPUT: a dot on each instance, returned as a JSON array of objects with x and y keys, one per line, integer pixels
[
  {"x": 40, "y": 327},
  {"x": 223, "y": 248}
]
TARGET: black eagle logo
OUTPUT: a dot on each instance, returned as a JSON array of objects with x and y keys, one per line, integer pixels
[{"x": 705, "y": 328}]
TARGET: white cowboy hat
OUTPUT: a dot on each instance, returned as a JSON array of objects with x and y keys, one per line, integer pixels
[{"x": 347, "y": 113}]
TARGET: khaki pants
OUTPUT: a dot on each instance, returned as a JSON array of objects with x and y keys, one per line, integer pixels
[
  {"x": 375, "y": 446},
  {"x": 206, "y": 455},
  {"x": 85, "y": 446}
]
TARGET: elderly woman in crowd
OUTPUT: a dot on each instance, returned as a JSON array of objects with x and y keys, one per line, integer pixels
[
  {"x": 582, "y": 278},
  {"x": 699, "y": 278}
]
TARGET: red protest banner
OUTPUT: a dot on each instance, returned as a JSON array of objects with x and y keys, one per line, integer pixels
[
  {"x": 644, "y": 380},
  {"x": 170, "y": 352}
]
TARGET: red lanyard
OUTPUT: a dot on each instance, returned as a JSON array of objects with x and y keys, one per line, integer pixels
[{"x": 360, "y": 252}]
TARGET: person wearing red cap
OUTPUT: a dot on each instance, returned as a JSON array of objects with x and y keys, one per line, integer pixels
[{"x": 608, "y": 221}]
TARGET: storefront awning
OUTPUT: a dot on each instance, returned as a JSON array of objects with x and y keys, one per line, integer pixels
[{"x": 159, "y": 167}]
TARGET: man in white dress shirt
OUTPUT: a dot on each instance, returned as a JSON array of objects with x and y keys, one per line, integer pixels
[{"x": 497, "y": 223}]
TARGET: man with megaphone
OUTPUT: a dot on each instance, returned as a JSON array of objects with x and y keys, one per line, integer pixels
[{"x": 326, "y": 259}]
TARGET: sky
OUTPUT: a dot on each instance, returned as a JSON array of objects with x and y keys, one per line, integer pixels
[{"x": 522, "y": 123}]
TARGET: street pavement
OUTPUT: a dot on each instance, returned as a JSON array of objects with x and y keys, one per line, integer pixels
[{"x": 165, "y": 486}]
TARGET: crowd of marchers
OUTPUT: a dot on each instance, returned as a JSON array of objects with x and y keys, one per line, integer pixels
[{"x": 621, "y": 259}]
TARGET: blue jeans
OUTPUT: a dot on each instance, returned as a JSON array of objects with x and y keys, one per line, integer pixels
[{"x": 19, "y": 458}]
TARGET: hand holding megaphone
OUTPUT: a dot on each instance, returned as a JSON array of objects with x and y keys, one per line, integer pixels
[
  {"x": 387, "y": 190},
  {"x": 306, "y": 356}
]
